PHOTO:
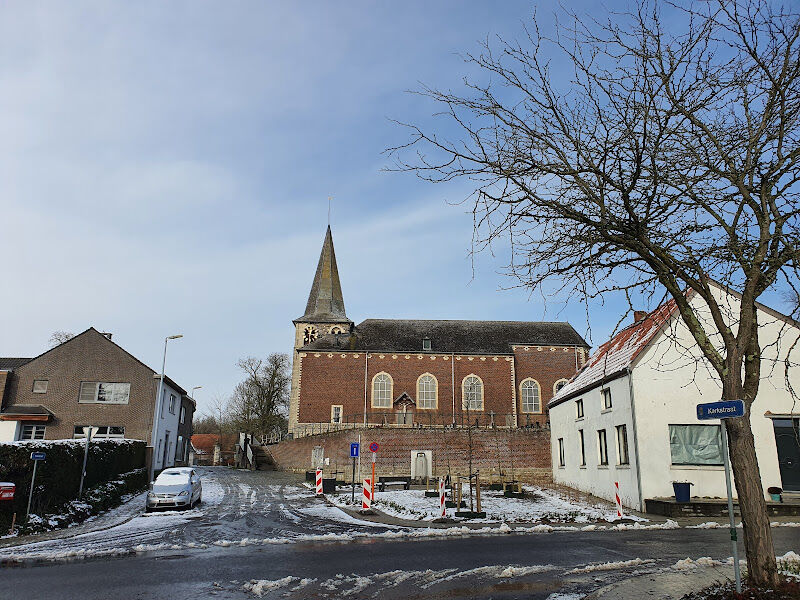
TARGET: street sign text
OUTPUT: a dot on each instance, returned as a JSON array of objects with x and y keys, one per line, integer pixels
[{"x": 720, "y": 410}]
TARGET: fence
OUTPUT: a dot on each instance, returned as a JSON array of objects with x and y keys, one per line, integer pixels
[{"x": 420, "y": 420}]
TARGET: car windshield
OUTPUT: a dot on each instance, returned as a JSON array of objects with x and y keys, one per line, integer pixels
[{"x": 169, "y": 488}]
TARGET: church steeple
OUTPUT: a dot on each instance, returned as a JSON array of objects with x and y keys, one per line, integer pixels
[{"x": 325, "y": 302}]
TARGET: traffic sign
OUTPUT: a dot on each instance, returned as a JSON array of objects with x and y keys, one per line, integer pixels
[
  {"x": 373, "y": 447},
  {"x": 38, "y": 455},
  {"x": 728, "y": 409},
  {"x": 354, "y": 450}
]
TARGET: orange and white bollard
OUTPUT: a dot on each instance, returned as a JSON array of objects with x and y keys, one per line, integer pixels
[
  {"x": 442, "y": 505},
  {"x": 619, "y": 500},
  {"x": 366, "y": 502},
  {"x": 319, "y": 482}
]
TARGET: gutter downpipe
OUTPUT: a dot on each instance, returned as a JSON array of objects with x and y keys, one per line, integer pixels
[{"x": 635, "y": 439}]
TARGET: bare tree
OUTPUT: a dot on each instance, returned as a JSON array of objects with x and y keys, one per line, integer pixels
[
  {"x": 59, "y": 337},
  {"x": 258, "y": 404},
  {"x": 659, "y": 156}
]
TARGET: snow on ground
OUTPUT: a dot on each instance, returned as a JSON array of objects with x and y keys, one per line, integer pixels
[
  {"x": 326, "y": 511},
  {"x": 542, "y": 505},
  {"x": 612, "y": 566}
]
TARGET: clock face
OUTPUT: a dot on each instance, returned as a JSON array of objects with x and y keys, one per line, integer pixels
[{"x": 309, "y": 335}]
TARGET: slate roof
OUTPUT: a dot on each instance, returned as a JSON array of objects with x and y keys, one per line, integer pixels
[
  {"x": 460, "y": 337},
  {"x": 616, "y": 355},
  {"x": 325, "y": 302},
  {"x": 9, "y": 364}
]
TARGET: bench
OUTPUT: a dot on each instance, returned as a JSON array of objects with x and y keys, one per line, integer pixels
[{"x": 382, "y": 481}]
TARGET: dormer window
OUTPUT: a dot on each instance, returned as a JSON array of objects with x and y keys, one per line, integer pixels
[{"x": 426, "y": 343}]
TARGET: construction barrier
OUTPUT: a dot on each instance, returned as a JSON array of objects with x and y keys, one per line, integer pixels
[
  {"x": 619, "y": 500},
  {"x": 367, "y": 500},
  {"x": 319, "y": 482},
  {"x": 442, "y": 506}
]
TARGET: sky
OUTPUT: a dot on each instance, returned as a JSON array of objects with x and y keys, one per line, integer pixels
[{"x": 165, "y": 169}]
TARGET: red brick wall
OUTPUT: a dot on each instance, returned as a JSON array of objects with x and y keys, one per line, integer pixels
[
  {"x": 517, "y": 453},
  {"x": 545, "y": 364},
  {"x": 3, "y": 382}
]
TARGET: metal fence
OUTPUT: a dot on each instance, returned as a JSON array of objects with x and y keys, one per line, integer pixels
[{"x": 420, "y": 420}]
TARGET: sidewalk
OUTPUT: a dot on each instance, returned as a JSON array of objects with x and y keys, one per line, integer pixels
[{"x": 671, "y": 585}]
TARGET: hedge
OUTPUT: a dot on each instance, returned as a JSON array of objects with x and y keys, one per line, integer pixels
[{"x": 58, "y": 477}]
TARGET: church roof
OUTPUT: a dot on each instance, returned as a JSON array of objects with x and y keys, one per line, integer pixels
[
  {"x": 460, "y": 337},
  {"x": 325, "y": 302}
]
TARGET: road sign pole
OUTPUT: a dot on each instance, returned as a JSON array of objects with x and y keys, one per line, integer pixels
[
  {"x": 353, "y": 480},
  {"x": 30, "y": 493},
  {"x": 373, "y": 474},
  {"x": 726, "y": 460}
]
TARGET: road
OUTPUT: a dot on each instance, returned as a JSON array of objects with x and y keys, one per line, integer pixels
[{"x": 191, "y": 555}]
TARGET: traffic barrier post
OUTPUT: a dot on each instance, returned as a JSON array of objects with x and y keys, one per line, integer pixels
[
  {"x": 618, "y": 499},
  {"x": 366, "y": 502},
  {"x": 442, "y": 505},
  {"x": 319, "y": 482}
]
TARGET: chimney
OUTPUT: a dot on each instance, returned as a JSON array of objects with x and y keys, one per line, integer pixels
[{"x": 639, "y": 315}]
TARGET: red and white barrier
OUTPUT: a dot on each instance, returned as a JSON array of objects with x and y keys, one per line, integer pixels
[
  {"x": 619, "y": 500},
  {"x": 366, "y": 502},
  {"x": 319, "y": 482},
  {"x": 442, "y": 505}
]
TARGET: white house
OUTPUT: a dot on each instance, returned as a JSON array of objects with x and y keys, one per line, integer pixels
[
  {"x": 629, "y": 416},
  {"x": 165, "y": 446}
]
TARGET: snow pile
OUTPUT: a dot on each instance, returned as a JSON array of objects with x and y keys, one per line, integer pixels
[
  {"x": 789, "y": 524},
  {"x": 687, "y": 563},
  {"x": 258, "y": 587},
  {"x": 706, "y": 525},
  {"x": 669, "y": 524},
  {"x": 612, "y": 566},
  {"x": 523, "y": 571}
]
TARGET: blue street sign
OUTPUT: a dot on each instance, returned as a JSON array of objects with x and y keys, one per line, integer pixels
[
  {"x": 38, "y": 455},
  {"x": 720, "y": 410},
  {"x": 354, "y": 450}
]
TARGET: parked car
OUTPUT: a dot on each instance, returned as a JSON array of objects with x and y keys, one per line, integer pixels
[{"x": 175, "y": 488}]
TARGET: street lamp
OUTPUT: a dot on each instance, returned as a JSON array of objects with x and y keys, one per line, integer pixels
[
  {"x": 157, "y": 411},
  {"x": 197, "y": 387}
]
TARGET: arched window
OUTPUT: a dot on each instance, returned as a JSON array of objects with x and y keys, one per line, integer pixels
[
  {"x": 336, "y": 329},
  {"x": 382, "y": 391},
  {"x": 559, "y": 384},
  {"x": 530, "y": 396},
  {"x": 472, "y": 393},
  {"x": 427, "y": 389}
]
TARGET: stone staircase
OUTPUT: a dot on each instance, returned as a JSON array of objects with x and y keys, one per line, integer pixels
[{"x": 262, "y": 459}]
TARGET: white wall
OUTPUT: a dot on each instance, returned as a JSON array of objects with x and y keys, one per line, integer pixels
[
  {"x": 595, "y": 478},
  {"x": 671, "y": 378},
  {"x": 9, "y": 431},
  {"x": 167, "y": 422}
]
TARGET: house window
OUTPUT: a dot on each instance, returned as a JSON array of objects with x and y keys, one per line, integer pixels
[
  {"x": 426, "y": 391},
  {"x": 579, "y": 408},
  {"x": 172, "y": 401},
  {"x": 582, "y": 447},
  {"x": 40, "y": 386},
  {"x": 32, "y": 432},
  {"x": 163, "y": 403},
  {"x": 606, "y": 398},
  {"x": 179, "y": 449},
  {"x": 531, "y": 396},
  {"x": 103, "y": 432},
  {"x": 695, "y": 444},
  {"x": 561, "y": 461},
  {"x": 336, "y": 413},
  {"x": 603, "y": 446},
  {"x": 426, "y": 343},
  {"x": 622, "y": 445},
  {"x": 183, "y": 414},
  {"x": 472, "y": 393},
  {"x": 98, "y": 392},
  {"x": 558, "y": 385},
  {"x": 382, "y": 391}
]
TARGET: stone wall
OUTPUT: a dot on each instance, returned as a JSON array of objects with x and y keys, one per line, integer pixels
[{"x": 522, "y": 454}]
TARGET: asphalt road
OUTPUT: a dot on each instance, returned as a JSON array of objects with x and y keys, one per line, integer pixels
[{"x": 270, "y": 505}]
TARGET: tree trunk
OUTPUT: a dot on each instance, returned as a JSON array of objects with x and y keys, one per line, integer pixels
[{"x": 761, "y": 565}]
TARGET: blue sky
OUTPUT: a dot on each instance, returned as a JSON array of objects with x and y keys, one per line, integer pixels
[{"x": 165, "y": 168}]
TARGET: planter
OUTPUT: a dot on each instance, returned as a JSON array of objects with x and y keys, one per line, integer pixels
[
  {"x": 776, "y": 497},
  {"x": 683, "y": 493}
]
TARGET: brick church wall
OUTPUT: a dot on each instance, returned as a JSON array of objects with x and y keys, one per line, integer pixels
[{"x": 522, "y": 454}]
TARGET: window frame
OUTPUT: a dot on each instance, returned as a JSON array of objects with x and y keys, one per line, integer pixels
[
  {"x": 556, "y": 389},
  {"x": 435, "y": 392},
  {"x": 706, "y": 464},
  {"x": 35, "y": 429},
  {"x": 538, "y": 389},
  {"x": 97, "y": 388},
  {"x": 623, "y": 429},
  {"x": 46, "y": 383},
  {"x": 579, "y": 409},
  {"x": 582, "y": 446},
  {"x": 607, "y": 402},
  {"x": 562, "y": 461},
  {"x": 464, "y": 400},
  {"x": 172, "y": 403},
  {"x": 77, "y": 432},
  {"x": 341, "y": 413},
  {"x": 391, "y": 390},
  {"x": 602, "y": 447}
]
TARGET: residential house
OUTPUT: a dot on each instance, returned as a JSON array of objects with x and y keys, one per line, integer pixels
[
  {"x": 89, "y": 380},
  {"x": 629, "y": 416}
]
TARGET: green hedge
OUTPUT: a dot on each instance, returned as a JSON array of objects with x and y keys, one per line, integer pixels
[{"x": 58, "y": 477}]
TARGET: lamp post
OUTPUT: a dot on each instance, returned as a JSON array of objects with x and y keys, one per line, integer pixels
[
  {"x": 157, "y": 411},
  {"x": 197, "y": 387}
]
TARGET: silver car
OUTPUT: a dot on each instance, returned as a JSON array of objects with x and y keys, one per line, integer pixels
[{"x": 178, "y": 487}]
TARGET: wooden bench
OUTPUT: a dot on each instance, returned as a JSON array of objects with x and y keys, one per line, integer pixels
[{"x": 382, "y": 481}]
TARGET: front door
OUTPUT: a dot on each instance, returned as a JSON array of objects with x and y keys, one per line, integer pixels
[
  {"x": 166, "y": 446},
  {"x": 787, "y": 440}
]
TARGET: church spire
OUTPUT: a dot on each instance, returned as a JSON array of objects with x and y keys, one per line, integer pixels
[{"x": 325, "y": 302}]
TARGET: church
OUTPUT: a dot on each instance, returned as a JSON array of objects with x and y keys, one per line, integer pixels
[{"x": 421, "y": 373}]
